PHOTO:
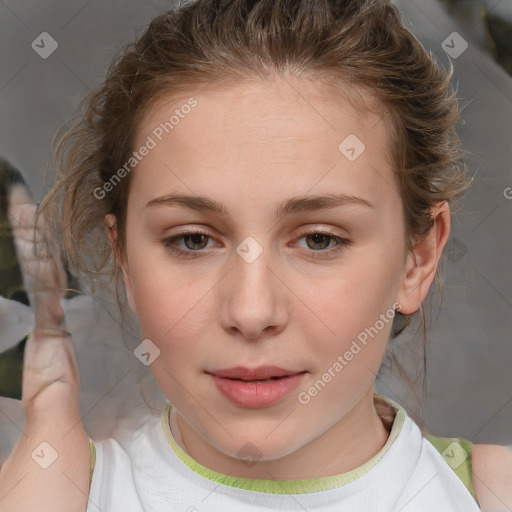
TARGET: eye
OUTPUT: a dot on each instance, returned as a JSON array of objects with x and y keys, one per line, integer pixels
[
  {"x": 194, "y": 242},
  {"x": 318, "y": 241}
]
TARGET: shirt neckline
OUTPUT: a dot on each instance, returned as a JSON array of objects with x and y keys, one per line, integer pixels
[{"x": 284, "y": 486}]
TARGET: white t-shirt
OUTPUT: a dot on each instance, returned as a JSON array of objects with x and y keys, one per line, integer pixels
[{"x": 149, "y": 472}]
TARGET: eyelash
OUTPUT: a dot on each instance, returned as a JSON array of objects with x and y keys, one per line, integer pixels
[{"x": 341, "y": 243}]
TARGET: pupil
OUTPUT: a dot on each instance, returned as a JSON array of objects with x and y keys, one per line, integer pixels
[
  {"x": 317, "y": 237},
  {"x": 196, "y": 238}
]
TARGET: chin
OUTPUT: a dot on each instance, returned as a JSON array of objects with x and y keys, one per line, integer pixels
[{"x": 258, "y": 449}]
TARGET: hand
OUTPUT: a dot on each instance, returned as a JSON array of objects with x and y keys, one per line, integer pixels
[
  {"x": 50, "y": 388},
  {"x": 50, "y": 371}
]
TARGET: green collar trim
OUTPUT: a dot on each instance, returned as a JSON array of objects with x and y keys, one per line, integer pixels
[
  {"x": 457, "y": 453},
  {"x": 284, "y": 486}
]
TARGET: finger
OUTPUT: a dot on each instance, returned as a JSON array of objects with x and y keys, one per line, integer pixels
[
  {"x": 29, "y": 233},
  {"x": 39, "y": 259}
]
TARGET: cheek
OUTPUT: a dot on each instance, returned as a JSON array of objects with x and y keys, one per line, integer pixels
[
  {"x": 355, "y": 294},
  {"x": 173, "y": 318},
  {"x": 154, "y": 288},
  {"x": 347, "y": 341},
  {"x": 167, "y": 309},
  {"x": 172, "y": 309},
  {"x": 350, "y": 314}
]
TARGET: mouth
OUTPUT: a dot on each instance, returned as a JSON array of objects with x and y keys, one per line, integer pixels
[
  {"x": 258, "y": 387},
  {"x": 256, "y": 380},
  {"x": 261, "y": 373}
]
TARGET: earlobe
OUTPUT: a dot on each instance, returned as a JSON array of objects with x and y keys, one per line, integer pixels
[
  {"x": 111, "y": 227},
  {"x": 422, "y": 262}
]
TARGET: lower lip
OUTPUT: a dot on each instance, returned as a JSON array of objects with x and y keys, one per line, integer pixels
[{"x": 257, "y": 394}]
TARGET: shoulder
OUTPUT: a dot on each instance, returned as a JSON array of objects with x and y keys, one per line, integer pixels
[{"x": 492, "y": 475}]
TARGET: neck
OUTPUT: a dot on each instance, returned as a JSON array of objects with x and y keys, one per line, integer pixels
[{"x": 355, "y": 439}]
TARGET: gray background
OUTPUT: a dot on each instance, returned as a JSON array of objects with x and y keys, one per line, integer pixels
[{"x": 469, "y": 344}]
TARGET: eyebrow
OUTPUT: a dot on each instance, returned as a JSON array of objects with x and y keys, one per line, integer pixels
[{"x": 289, "y": 206}]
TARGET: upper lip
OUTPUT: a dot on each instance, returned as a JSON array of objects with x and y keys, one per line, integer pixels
[{"x": 261, "y": 372}]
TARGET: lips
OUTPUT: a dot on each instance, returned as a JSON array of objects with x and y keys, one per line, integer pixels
[
  {"x": 258, "y": 387},
  {"x": 260, "y": 373}
]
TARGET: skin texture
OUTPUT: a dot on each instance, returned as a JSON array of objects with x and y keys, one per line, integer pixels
[
  {"x": 297, "y": 305},
  {"x": 492, "y": 474}
]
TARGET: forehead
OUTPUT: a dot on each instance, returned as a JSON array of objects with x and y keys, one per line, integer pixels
[
  {"x": 287, "y": 134},
  {"x": 259, "y": 106}
]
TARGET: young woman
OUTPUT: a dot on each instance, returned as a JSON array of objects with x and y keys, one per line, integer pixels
[{"x": 272, "y": 182}]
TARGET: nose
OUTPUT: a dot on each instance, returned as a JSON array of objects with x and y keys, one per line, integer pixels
[{"x": 254, "y": 298}]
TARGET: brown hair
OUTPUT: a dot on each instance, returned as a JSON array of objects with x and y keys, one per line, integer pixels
[{"x": 346, "y": 45}]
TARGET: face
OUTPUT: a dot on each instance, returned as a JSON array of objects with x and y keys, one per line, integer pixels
[{"x": 306, "y": 256}]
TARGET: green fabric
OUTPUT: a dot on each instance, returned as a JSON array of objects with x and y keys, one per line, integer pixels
[
  {"x": 93, "y": 458},
  {"x": 457, "y": 453}
]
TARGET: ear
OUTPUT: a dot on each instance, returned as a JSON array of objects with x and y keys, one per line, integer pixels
[
  {"x": 111, "y": 225},
  {"x": 423, "y": 260}
]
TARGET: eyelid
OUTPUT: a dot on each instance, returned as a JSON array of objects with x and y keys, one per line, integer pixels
[
  {"x": 311, "y": 229},
  {"x": 325, "y": 254},
  {"x": 317, "y": 229}
]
